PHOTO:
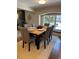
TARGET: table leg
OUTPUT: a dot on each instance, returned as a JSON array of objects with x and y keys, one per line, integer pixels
[{"x": 37, "y": 42}]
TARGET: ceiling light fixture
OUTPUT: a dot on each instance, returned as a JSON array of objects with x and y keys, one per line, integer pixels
[{"x": 42, "y": 1}]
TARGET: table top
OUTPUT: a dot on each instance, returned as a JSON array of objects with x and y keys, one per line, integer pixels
[{"x": 36, "y": 31}]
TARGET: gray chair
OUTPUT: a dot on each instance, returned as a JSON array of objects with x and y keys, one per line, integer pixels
[{"x": 26, "y": 37}]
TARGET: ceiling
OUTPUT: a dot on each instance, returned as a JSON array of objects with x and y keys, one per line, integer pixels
[{"x": 31, "y": 4}]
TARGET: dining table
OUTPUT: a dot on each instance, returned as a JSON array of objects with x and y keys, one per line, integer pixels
[{"x": 37, "y": 32}]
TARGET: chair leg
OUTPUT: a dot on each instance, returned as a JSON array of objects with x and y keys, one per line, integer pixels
[
  {"x": 47, "y": 41},
  {"x": 23, "y": 44},
  {"x": 44, "y": 44},
  {"x": 51, "y": 37},
  {"x": 29, "y": 46}
]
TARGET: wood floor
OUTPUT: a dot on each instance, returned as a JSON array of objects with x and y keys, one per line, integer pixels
[
  {"x": 56, "y": 51},
  {"x": 52, "y": 51},
  {"x": 55, "y": 56}
]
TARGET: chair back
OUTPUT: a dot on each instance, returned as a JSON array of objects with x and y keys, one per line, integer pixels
[
  {"x": 46, "y": 24},
  {"x": 47, "y": 33},
  {"x": 52, "y": 28},
  {"x": 25, "y": 34}
]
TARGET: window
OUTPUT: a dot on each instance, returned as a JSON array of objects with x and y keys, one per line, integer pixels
[
  {"x": 52, "y": 20},
  {"x": 48, "y": 19},
  {"x": 58, "y": 22}
]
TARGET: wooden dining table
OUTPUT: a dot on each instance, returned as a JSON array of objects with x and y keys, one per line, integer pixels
[{"x": 37, "y": 33}]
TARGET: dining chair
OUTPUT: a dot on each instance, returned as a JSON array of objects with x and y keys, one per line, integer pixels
[
  {"x": 51, "y": 31},
  {"x": 26, "y": 37},
  {"x": 45, "y": 37},
  {"x": 49, "y": 35},
  {"x": 46, "y": 24}
]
